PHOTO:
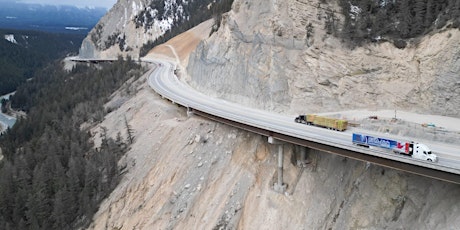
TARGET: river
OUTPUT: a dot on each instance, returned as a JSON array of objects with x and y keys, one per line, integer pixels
[{"x": 5, "y": 120}]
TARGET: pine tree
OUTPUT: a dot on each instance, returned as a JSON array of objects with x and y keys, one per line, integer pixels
[
  {"x": 129, "y": 131},
  {"x": 418, "y": 22},
  {"x": 430, "y": 13},
  {"x": 62, "y": 213},
  {"x": 75, "y": 184},
  {"x": 405, "y": 19},
  {"x": 38, "y": 202},
  {"x": 22, "y": 188},
  {"x": 7, "y": 192}
]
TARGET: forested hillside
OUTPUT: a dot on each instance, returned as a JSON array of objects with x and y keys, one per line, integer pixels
[
  {"x": 23, "y": 52},
  {"x": 51, "y": 176},
  {"x": 383, "y": 20}
]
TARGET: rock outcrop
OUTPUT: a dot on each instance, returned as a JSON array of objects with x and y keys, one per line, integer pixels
[
  {"x": 276, "y": 55},
  {"x": 119, "y": 33}
]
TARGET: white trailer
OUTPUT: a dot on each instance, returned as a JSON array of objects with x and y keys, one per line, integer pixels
[{"x": 411, "y": 149}]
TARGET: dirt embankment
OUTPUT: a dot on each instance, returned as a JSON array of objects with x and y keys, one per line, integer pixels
[{"x": 422, "y": 127}]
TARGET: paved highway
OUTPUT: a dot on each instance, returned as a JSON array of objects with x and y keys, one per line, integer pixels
[{"x": 165, "y": 83}]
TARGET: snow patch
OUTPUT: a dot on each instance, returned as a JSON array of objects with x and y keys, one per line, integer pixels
[
  {"x": 354, "y": 11},
  {"x": 10, "y": 38},
  {"x": 75, "y": 28},
  {"x": 135, "y": 9},
  {"x": 153, "y": 13},
  {"x": 165, "y": 24},
  {"x": 126, "y": 16}
]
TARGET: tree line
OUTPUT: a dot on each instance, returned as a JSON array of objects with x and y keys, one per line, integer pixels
[{"x": 52, "y": 176}]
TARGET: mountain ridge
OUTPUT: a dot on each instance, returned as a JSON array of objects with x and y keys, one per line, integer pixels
[{"x": 49, "y": 18}]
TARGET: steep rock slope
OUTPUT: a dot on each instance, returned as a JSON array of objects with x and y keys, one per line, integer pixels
[
  {"x": 276, "y": 55},
  {"x": 117, "y": 27},
  {"x": 133, "y": 27},
  {"x": 186, "y": 172},
  {"x": 128, "y": 26}
]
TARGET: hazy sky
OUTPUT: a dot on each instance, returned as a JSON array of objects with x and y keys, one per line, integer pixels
[{"x": 80, "y": 3}]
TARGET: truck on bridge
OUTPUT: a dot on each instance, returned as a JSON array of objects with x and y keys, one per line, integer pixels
[
  {"x": 411, "y": 149},
  {"x": 324, "y": 122}
]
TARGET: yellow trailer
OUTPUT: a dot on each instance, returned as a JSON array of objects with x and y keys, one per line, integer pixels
[{"x": 325, "y": 122}]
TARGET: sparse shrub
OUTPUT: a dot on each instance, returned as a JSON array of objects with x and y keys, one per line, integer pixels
[
  {"x": 331, "y": 22},
  {"x": 456, "y": 23},
  {"x": 122, "y": 42},
  {"x": 309, "y": 29},
  {"x": 400, "y": 44},
  {"x": 97, "y": 34},
  {"x": 441, "y": 22},
  {"x": 112, "y": 39}
]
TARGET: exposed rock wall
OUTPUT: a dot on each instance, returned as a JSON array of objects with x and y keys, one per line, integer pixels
[
  {"x": 265, "y": 54},
  {"x": 116, "y": 33}
]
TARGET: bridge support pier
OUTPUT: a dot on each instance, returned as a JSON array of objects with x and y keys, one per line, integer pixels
[
  {"x": 302, "y": 161},
  {"x": 189, "y": 112},
  {"x": 279, "y": 186}
]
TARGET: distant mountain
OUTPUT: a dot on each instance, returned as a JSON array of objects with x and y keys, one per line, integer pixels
[{"x": 49, "y": 18}]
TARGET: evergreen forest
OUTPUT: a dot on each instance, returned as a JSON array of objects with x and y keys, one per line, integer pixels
[
  {"x": 30, "y": 51},
  {"x": 51, "y": 174},
  {"x": 396, "y": 20}
]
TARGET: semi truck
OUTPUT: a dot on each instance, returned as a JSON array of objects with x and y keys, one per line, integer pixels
[
  {"x": 320, "y": 121},
  {"x": 411, "y": 149}
]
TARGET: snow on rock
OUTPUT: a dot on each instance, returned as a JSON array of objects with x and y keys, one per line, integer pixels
[
  {"x": 10, "y": 38},
  {"x": 102, "y": 41}
]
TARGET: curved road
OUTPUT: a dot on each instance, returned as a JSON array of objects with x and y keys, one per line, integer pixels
[{"x": 163, "y": 80}]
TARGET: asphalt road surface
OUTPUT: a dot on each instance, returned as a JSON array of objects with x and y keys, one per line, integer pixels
[{"x": 164, "y": 82}]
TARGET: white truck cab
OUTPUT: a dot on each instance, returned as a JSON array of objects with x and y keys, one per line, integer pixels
[{"x": 421, "y": 151}]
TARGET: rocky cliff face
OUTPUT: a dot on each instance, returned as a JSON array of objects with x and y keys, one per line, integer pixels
[
  {"x": 116, "y": 25},
  {"x": 126, "y": 27},
  {"x": 133, "y": 27},
  {"x": 276, "y": 55}
]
